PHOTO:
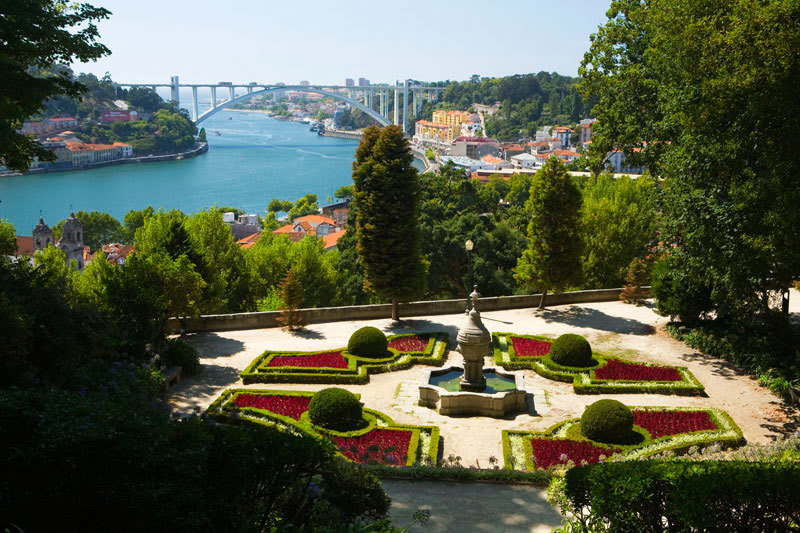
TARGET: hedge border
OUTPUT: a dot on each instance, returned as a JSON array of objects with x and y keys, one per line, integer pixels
[
  {"x": 582, "y": 378},
  {"x": 727, "y": 433},
  {"x": 220, "y": 410},
  {"x": 433, "y": 356}
]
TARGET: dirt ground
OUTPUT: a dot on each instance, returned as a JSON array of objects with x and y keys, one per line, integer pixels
[{"x": 635, "y": 333}]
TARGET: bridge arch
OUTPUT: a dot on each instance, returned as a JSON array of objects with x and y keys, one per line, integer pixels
[{"x": 383, "y": 121}]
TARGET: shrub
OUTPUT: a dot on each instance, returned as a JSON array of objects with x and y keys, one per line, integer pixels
[
  {"x": 607, "y": 421},
  {"x": 336, "y": 409},
  {"x": 646, "y": 496},
  {"x": 181, "y": 353},
  {"x": 54, "y": 460},
  {"x": 677, "y": 295},
  {"x": 636, "y": 277},
  {"x": 571, "y": 350},
  {"x": 368, "y": 342}
]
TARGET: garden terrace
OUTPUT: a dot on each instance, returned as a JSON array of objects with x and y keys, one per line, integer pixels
[
  {"x": 615, "y": 330},
  {"x": 660, "y": 430},
  {"x": 380, "y": 442},
  {"x": 607, "y": 374},
  {"x": 340, "y": 366}
]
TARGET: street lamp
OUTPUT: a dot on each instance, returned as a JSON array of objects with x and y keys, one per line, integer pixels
[{"x": 468, "y": 247}]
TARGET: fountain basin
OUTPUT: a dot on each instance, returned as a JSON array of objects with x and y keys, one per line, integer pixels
[{"x": 504, "y": 394}]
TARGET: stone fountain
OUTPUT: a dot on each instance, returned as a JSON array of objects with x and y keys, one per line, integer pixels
[{"x": 473, "y": 389}]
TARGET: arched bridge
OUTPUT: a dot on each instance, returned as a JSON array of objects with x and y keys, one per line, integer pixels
[
  {"x": 383, "y": 121},
  {"x": 361, "y": 97}
]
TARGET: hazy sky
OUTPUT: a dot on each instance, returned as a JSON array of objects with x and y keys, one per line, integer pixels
[{"x": 324, "y": 42}]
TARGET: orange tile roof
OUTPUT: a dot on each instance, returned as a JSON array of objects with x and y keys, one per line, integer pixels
[
  {"x": 566, "y": 153},
  {"x": 288, "y": 228},
  {"x": 330, "y": 240},
  {"x": 25, "y": 246},
  {"x": 250, "y": 239},
  {"x": 489, "y": 158},
  {"x": 315, "y": 219}
]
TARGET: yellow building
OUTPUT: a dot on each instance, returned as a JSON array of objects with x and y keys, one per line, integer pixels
[
  {"x": 431, "y": 131},
  {"x": 450, "y": 118}
]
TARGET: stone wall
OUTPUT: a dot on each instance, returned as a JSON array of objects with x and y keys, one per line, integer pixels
[{"x": 268, "y": 319}]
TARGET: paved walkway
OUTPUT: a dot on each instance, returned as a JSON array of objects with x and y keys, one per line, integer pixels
[{"x": 466, "y": 507}]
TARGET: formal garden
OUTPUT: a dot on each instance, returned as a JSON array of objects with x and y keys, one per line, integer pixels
[{"x": 363, "y": 433}]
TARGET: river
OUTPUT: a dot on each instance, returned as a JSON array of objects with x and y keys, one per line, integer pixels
[{"x": 254, "y": 159}]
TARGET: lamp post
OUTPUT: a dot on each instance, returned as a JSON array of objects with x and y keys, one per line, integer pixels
[{"x": 468, "y": 247}]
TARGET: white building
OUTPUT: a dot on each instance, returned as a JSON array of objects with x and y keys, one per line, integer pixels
[{"x": 524, "y": 160}]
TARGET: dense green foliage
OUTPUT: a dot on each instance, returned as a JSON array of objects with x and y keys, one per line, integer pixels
[
  {"x": 97, "y": 450},
  {"x": 527, "y": 102},
  {"x": 695, "y": 97},
  {"x": 169, "y": 131},
  {"x": 8, "y": 238},
  {"x": 607, "y": 421},
  {"x": 571, "y": 350},
  {"x": 619, "y": 224},
  {"x": 368, "y": 342},
  {"x": 770, "y": 353},
  {"x": 336, "y": 409},
  {"x": 38, "y": 34},
  {"x": 102, "y": 459},
  {"x": 386, "y": 198},
  {"x": 654, "y": 496},
  {"x": 552, "y": 259},
  {"x": 351, "y": 119},
  {"x": 181, "y": 353},
  {"x": 98, "y": 229}
]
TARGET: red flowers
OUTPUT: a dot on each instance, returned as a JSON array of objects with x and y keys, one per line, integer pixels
[
  {"x": 411, "y": 343},
  {"x": 549, "y": 452},
  {"x": 387, "y": 446},
  {"x": 530, "y": 347},
  {"x": 615, "y": 369},
  {"x": 314, "y": 360},
  {"x": 661, "y": 423},
  {"x": 292, "y": 406}
]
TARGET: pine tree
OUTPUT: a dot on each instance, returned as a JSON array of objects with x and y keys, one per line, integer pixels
[
  {"x": 291, "y": 292},
  {"x": 387, "y": 200},
  {"x": 553, "y": 257}
]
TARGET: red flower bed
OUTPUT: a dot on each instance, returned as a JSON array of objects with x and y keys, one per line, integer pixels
[
  {"x": 661, "y": 423},
  {"x": 530, "y": 347},
  {"x": 412, "y": 343},
  {"x": 615, "y": 369},
  {"x": 549, "y": 452},
  {"x": 292, "y": 406},
  {"x": 387, "y": 446},
  {"x": 315, "y": 360}
]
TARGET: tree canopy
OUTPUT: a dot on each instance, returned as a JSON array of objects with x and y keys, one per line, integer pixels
[
  {"x": 40, "y": 33},
  {"x": 704, "y": 94},
  {"x": 552, "y": 259},
  {"x": 386, "y": 194}
]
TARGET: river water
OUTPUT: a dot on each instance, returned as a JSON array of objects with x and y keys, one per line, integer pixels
[{"x": 254, "y": 159}]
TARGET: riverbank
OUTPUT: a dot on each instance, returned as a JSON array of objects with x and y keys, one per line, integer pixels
[{"x": 199, "y": 148}]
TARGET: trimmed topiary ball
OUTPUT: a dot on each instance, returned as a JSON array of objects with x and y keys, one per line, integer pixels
[
  {"x": 336, "y": 409},
  {"x": 607, "y": 421},
  {"x": 571, "y": 350},
  {"x": 368, "y": 342}
]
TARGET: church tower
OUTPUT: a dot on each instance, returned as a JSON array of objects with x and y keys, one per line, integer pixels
[
  {"x": 71, "y": 242},
  {"x": 42, "y": 236}
]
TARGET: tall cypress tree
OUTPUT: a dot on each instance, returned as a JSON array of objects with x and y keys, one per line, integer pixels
[
  {"x": 553, "y": 257},
  {"x": 387, "y": 200}
]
